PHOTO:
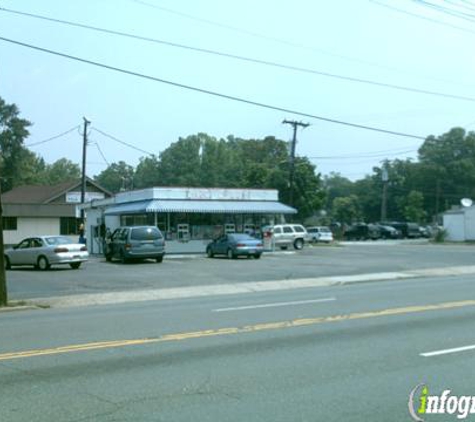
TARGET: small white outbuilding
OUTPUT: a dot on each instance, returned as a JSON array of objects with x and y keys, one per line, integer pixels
[{"x": 460, "y": 224}]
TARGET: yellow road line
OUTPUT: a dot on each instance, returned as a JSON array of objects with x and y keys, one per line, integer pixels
[{"x": 235, "y": 330}]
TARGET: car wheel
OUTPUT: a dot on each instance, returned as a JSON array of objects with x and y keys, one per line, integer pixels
[
  {"x": 298, "y": 244},
  {"x": 159, "y": 259},
  {"x": 108, "y": 258},
  {"x": 43, "y": 263},
  {"x": 75, "y": 265},
  {"x": 230, "y": 254},
  {"x": 257, "y": 255},
  {"x": 6, "y": 262},
  {"x": 209, "y": 253}
]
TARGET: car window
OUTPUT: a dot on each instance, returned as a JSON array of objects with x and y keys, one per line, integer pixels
[
  {"x": 36, "y": 243},
  {"x": 299, "y": 229},
  {"x": 123, "y": 234},
  {"x": 145, "y": 233},
  {"x": 24, "y": 244},
  {"x": 288, "y": 229},
  {"x": 58, "y": 240},
  {"x": 278, "y": 230}
]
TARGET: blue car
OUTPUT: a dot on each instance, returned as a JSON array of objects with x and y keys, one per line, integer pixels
[{"x": 235, "y": 244}]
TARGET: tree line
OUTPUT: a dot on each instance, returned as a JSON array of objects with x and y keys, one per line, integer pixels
[{"x": 417, "y": 190}]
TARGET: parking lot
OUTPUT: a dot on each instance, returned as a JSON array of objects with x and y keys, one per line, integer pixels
[{"x": 98, "y": 276}]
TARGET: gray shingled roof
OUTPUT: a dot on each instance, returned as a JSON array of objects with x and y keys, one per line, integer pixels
[{"x": 42, "y": 194}]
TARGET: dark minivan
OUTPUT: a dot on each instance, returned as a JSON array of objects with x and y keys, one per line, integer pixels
[{"x": 135, "y": 242}]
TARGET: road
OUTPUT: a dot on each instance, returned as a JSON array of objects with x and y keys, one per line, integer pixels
[
  {"x": 369, "y": 257},
  {"x": 341, "y": 353}
]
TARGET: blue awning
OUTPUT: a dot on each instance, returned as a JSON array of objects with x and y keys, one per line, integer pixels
[{"x": 198, "y": 206}]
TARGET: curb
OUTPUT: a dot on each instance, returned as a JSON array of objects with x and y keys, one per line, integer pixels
[
  {"x": 242, "y": 288},
  {"x": 19, "y": 308}
]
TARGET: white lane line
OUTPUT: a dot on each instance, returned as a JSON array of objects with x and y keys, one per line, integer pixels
[
  {"x": 275, "y": 305},
  {"x": 448, "y": 351}
]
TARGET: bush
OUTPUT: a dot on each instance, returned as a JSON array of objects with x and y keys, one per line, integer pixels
[{"x": 440, "y": 235}]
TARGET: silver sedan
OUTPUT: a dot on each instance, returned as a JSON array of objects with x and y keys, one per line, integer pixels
[{"x": 44, "y": 251}]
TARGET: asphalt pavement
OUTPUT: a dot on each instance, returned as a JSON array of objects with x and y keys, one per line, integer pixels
[
  {"x": 344, "y": 352},
  {"x": 98, "y": 276}
]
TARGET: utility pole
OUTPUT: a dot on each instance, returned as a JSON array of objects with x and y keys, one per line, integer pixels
[
  {"x": 83, "y": 178},
  {"x": 295, "y": 125},
  {"x": 3, "y": 279},
  {"x": 384, "y": 206}
]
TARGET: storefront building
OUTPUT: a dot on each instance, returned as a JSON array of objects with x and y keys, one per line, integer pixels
[{"x": 188, "y": 217}]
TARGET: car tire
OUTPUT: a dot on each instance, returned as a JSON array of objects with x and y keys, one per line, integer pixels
[
  {"x": 108, "y": 258},
  {"x": 6, "y": 262},
  {"x": 209, "y": 253},
  {"x": 298, "y": 244},
  {"x": 43, "y": 264},
  {"x": 257, "y": 256},
  {"x": 159, "y": 259},
  {"x": 230, "y": 254},
  {"x": 75, "y": 265}
]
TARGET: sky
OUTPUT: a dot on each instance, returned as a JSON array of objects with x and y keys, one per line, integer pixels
[{"x": 421, "y": 45}]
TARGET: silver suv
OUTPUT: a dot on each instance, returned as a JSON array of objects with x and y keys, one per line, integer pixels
[
  {"x": 286, "y": 235},
  {"x": 135, "y": 242}
]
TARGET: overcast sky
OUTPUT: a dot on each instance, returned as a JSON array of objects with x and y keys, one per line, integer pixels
[{"x": 415, "y": 46}]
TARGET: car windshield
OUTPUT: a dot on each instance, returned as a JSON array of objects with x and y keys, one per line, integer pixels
[
  {"x": 58, "y": 240},
  {"x": 240, "y": 237},
  {"x": 145, "y": 233}
]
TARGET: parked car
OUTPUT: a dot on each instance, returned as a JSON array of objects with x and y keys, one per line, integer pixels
[
  {"x": 408, "y": 230},
  {"x": 362, "y": 231},
  {"x": 44, "y": 251},
  {"x": 320, "y": 234},
  {"x": 388, "y": 232},
  {"x": 235, "y": 244},
  {"x": 135, "y": 242},
  {"x": 285, "y": 235}
]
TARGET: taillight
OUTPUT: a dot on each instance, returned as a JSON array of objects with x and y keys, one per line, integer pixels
[
  {"x": 128, "y": 246},
  {"x": 259, "y": 245},
  {"x": 83, "y": 249},
  {"x": 61, "y": 250},
  {"x": 240, "y": 245}
]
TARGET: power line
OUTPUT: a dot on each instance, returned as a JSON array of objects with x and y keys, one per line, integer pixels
[
  {"x": 122, "y": 142},
  {"x": 213, "y": 93},
  {"x": 278, "y": 40},
  {"x": 102, "y": 154},
  {"x": 244, "y": 58},
  {"x": 405, "y": 12},
  {"x": 345, "y": 157},
  {"x": 53, "y": 137},
  {"x": 446, "y": 10}
]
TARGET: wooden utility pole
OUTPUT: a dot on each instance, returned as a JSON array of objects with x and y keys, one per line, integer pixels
[
  {"x": 3, "y": 279},
  {"x": 294, "y": 124},
  {"x": 83, "y": 177}
]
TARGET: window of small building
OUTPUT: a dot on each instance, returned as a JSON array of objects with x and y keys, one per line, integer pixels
[
  {"x": 9, "y": 223},
  {"x": 68, "y": 225}
]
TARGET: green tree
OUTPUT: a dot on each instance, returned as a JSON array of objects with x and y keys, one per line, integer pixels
[
  {"x": 13, "y": 132},
  {"x": 116, "y": 177},
  {"x": 62, "y": 170},
  {"x": 414, "y": 208},
  {"x": 147, "y": 173},
  {"x": 347, "y": 209}
]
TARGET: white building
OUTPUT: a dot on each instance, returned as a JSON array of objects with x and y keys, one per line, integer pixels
[
  {"x": 34, "y": 210},
  {"x": 185, "y": 215},
  {"x": 460, "y": 224}
]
